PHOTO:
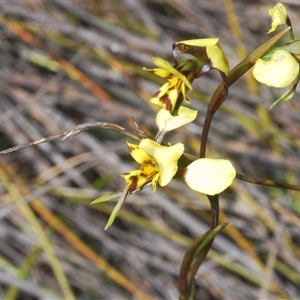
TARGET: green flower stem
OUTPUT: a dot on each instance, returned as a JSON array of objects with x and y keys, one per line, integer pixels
[
  {"x": 215, "y": 102},
  {"x": 214, "y": 207},
  {"x": 184, "y": 286},
  {"x": 195, "y": 267},
  {"x": 193, "y": 259},
  {"x": 202, "y": 250}
]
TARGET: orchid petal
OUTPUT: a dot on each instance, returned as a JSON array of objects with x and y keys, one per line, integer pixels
[
  {"x": 167, "y": 95},
  {"x": 200, "y": 42},
  {"x": 278, "y": 15},
  {"x": 138, "y": 154},
  {"x": 161, "y": 72},
  {"x": 165, "y": 157},
  {"x": 165, "y": 65},
  {"x": 209, "y": 176},
  {"x": 204, "y": 49},
  {"x": 218, "y": 58},
  {"x": 137, "y": 179},
  {"x": 166, "y": 122},
  {"x": 279, "y": 72},
  {"x": 185, "y": 97}
]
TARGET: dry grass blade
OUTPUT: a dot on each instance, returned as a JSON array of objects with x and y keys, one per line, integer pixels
[
  {"x": 13, "y": 292},
  {"x": 13, "y": 190},
  {"x": 78, "y": 129}
]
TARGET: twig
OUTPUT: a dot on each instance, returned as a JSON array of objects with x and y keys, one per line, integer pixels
[
  {"x": 267, "y": 182},
  {"x": 78, "y": 129}
]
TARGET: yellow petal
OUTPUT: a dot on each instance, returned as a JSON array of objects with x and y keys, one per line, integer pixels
[
  {"x": 217, "y": 57},
  {"x": 161, "y": 72},
  {"x": 154, "y": 181},
  {"x": 173, "y": 96},
  {"x": 278, "y": 15},
  {"x": 209, "y": 176},
  {"x": 165, "y": 157},
  {"x": 213, "y": 51},
  {"x": 137, "y": 179},
  {"x": 279, "y": 72},
  {"x": 184, "y": 91},
  {"x": 163, "y": 90},
  {"x": 165, "y": 65},
  {"x": 200, "y": 42},
  {"x": 134, "y": 180},
  {"x": 166, "y": 122},
  {"x": 167, "y": 95},
  {"x": 138, "y": 154}
]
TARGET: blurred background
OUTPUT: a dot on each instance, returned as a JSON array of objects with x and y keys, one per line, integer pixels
[{"x": 64, "y": 63}]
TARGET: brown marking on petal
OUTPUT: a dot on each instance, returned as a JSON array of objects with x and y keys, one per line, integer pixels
[
  {"x": 145, "y": 171},
  {"x": 167, "y": 102},
  {"x": 156, "y": 94},
  {"x": 144, "y": 175},
  {"x": 131, "y": 148},
  {"x": 171, "y": 76},
  {"x": 152, "y": 174},
  {"x": 148, "y": 163},
  {"x": 134, "y": 180},
  {"x": 133, "y": 185},
  {"x": 178, "y": 84}
]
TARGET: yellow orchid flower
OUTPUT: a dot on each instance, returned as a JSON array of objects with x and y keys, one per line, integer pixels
[
  {"x": 179, "y": 79},
  {"x": 206, "y": 50},
  {"x": 279, "y": 67},
  {"x": 158, "y": 164},
  {"x": 278, "y": 72},
  {"x": 278, "y": 15},
  {"x": 166, "y": 122},
  {"x": 209, "y": 176},
  {"x": 281, "y": 71}
]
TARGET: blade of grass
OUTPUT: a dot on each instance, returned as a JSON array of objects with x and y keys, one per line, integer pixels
[
  {"x": 68, "y": 234},
  {"x": 13, "y": 292},
  {"x": 174, "y": 236},
  {"x": 13, "y": 190},
  {"x": 83, "y": 248},
  {"x": 20, "y": 30}
]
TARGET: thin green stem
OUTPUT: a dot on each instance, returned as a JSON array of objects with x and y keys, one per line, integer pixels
[
  {"x": 184, "y": 283},
  {"x": 215, "y": 210}
]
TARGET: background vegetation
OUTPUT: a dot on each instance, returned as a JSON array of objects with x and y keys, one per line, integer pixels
[{"x": 65, "y": 63}]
